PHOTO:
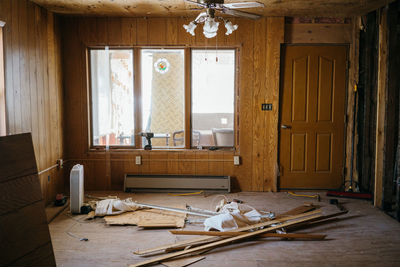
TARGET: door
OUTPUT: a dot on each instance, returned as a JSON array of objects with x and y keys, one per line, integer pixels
[{"x": 312, "y": 116}]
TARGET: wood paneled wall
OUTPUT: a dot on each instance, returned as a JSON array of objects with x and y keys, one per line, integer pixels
[
  {"x": 258, "y": 72},
  {"x": 33, "y": 84}
]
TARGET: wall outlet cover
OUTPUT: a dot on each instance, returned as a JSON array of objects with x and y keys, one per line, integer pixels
[
  {"x": 236, "y": 160},
  {"x": 138, "y": 160}
]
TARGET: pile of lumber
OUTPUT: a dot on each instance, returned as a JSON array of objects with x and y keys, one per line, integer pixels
[{"x": 300, "y": 216}]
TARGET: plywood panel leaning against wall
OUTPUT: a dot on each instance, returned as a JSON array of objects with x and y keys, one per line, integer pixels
[
  {"x": 81, "y": 32},
  {"x": 33, "y": 84},
  {"x": 24, "y": 233},
  {"x": 381, "y": 107}
]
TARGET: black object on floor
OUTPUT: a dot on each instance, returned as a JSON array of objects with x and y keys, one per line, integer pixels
[
  {"x": 60, "y": 200},
  {"x": 356, "y": 195}
]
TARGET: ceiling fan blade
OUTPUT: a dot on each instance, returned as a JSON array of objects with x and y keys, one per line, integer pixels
[
  {"x": 244, "y": 5},
  {"x": 239, "y": 13},
  {"x": 196, "y": 3}
]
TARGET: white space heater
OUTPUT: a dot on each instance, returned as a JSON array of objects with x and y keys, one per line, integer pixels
[{"x": 76, "y": 188}]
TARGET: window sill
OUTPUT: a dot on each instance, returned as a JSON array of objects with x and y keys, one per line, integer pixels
[{"x": 158, "y": 150}]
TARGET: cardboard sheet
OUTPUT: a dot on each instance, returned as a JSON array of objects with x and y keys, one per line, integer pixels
[{"x": 149, "y": 218}]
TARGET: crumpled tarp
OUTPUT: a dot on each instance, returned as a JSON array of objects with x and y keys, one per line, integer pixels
[
  {"x": 115, "y": 206},
  {"x": 235, "y": 215}
]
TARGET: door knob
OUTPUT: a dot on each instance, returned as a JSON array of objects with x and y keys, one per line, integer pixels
[{"x": 284, "y": 126}]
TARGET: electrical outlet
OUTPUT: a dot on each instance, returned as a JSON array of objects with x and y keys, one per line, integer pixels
[
  {"x": 266, "y": 106},
  {"x": 138, "y": 160},
  {"x": 236, "y": 160}
]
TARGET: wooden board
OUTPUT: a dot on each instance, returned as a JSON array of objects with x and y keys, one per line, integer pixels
[
  {"x": 223, "y": 242},
  {"x": 182, "y": 244},
  {"x": 381, "y": 108},
  {"x": 183, "y": 262},
  {"x": 149, "y": 218},
  {"x": 318, "y": 33},
  {"x": 23, "y": 225},
  {"x": 211, "y": 233}
]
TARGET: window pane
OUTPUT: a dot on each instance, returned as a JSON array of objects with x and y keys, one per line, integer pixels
[
  {"x": 162, "y": 76},
  {"x": 213, "y": 86},
  {"x": 112, "y": 97}
]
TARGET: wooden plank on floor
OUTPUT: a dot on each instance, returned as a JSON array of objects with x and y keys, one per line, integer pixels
[
  {"x": 228, "y": 233},
  {"x": 183, "y": 262},
  {"x": 223, "y": 242},
  {"x": 205, "y": 239}
]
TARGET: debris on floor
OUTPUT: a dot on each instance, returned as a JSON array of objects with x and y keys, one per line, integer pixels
[
  {"x": 233, "y": 222},
  {"x": 234, "y": 215},
  {"x": 265, "y": 226},
  {"x": 149, "y": 218},
  {"x": 183, "y": 262}
]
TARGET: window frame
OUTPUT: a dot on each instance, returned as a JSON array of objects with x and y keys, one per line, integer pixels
[
  {"x": 90, "y": 100},
  {"x": 235, "y": 95},
  {"x": 3, "y": 109},
  {"x": 137, "y": 93}
]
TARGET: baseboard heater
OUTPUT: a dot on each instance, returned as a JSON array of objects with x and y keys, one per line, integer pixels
[{"x": 176, "y": 183}]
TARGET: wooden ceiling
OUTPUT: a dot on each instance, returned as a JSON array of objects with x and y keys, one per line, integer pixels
[{"x": 164, "y": 8}]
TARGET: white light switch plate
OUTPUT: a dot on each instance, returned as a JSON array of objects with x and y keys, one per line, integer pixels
[
  {"x": 236, "y": 160},
  {"x": 138, "y": 160}
]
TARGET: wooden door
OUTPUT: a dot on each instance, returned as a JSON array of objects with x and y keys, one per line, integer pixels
[{"x": 312, "y": 116}]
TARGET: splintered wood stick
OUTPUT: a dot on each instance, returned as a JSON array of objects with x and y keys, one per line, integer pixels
[
  {"x": 290, "y": 235},
  {"x": 207, "y": 238},
  {"x": 222, "y": 242},
  {"x": 298, "y": 210}
]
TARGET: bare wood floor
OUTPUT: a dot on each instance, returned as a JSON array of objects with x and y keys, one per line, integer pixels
[{"x": 363, "y": 237}]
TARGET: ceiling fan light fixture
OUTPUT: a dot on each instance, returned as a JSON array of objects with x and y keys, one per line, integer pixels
[
  {"x": 230, "y": 27},
  {"x": 210, "y": 27},
  {"x": 190, "y": 27}
]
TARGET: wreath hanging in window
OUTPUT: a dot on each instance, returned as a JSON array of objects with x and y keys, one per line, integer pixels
[{"x": 162, "y": 65}]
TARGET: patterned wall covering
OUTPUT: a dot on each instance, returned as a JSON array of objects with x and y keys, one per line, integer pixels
[{"x": 167, "y": 102}]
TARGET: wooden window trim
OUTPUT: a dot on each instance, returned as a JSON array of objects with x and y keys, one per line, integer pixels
[
  {"x": 188, "y": 98},
  {"x": 90, "y": 106},
  {"x": 138, "y": 93},
  {"x": 235, "y": 96},
  {"x": 3, "y": 110}
]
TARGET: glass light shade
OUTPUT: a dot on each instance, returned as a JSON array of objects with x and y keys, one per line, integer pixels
[
  {"x": 230, "y": 27},
  {"x": 190, "y": 27},
  {"x": 210, "y": 28}
]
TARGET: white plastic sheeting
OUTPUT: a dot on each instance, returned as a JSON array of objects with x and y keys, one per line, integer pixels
[
  {"x": 115, "y": 206},
  {"x": 235, "y": 215}
]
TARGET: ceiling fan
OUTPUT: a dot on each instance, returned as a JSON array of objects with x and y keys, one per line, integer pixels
[
  {"x": 208, "y": 17},
  {"x": 229, "y": 8}
]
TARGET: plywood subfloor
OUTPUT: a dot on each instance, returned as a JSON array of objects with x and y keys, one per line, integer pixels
[{"x": 365, "y": 236}]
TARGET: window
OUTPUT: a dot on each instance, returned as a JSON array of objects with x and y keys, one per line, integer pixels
[
  {"x": 163, "y": 95},
  {"x": 213, "y": 87},
  {"x": 112, "y": 97},
  {"x": 3, "y": 130},
  {"x": 166, "y": 90}
]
